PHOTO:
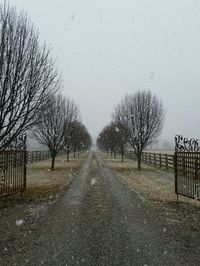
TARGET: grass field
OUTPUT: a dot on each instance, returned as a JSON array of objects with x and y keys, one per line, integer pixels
[
  {"x": 154, "y": 183},
  {"x": 43, "y": 183},
  {"x": 163, "y": 151}
]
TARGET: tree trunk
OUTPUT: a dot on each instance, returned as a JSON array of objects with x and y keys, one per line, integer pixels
[
  {"x": 67, "y": 154},
  {"x": 74, "y": 153},
  {"x": 115, "y": 155},
  {"x": 139, "y": 161},
  {"x": 53, "y": 161},
  {"x": 122, "y": 153}
]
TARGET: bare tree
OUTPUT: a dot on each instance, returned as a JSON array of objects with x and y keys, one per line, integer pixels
[
  {"x": 111, "y": 139},
  {"x": 105, "y": 140},
  {"x": 78, "y": 139},
  {"x": 52, "y": 121},
  {"x": 27, "y": 74},
  {"x": 141, "y": 118},
  {"x": 70, "y": 125},
  {"x": 121, "y": 141}
]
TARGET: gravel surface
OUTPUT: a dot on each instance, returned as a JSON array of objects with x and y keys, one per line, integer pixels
[{"x": 97, "y": 221}]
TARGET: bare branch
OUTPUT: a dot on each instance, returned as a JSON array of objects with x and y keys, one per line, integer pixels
[
  {"x": 27, "y": 74},
  {"x": 141, "y": 118}
]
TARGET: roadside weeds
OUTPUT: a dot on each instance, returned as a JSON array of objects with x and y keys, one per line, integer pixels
[
  {"x": 156, "y": 186},
  {"x": 44, "y": 184}
]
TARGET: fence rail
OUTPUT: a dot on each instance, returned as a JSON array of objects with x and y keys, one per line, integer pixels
[
  {"x": 41, "y": 155},
  {"x": 36, "y": 156},
  {"x": 156, "y": 159}
]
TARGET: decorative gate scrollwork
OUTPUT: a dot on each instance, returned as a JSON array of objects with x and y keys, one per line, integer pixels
[
  {"x": 187, "y": 167},
  {"x": 185, "y": 144},
  {"x": 18, "y": 143}
]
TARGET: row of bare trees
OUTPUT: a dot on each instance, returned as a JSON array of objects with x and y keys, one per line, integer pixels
[
  {"x": 137, "y": 121},
  {"x": 59, "y": 128},
  {"x": 112, "y": 140},
  {"x": 30, "y": 98}
]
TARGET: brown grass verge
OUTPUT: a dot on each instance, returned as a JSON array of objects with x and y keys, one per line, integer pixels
[
  {"x": 154, "y": 183},
  {"x": 44, "y": 184}
]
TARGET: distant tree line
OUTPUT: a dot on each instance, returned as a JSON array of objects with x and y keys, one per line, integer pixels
[
  {"x": 112, "y": 140},
  {"x": 137, "y": 121},
  {"x": 30, "y": 98}
]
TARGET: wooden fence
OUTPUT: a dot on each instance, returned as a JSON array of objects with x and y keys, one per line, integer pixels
[
  {"x": 36, "y": 156},
  {"x": 156, "y": 159}
]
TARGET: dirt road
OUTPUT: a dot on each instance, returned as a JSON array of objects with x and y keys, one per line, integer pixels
[{"x": 97, "y": 221}]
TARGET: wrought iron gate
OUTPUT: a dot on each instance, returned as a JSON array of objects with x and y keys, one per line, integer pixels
[
  {"x": 13, "y": 168},
  {"x": 187, "y": 167}
]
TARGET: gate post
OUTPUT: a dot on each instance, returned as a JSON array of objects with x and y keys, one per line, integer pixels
[{"x": 175, "y": 172}]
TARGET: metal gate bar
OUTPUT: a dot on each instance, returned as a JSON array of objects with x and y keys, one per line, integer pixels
[
  {"x": 13, "y": 161},
  {"x": 187, "y": 167}
]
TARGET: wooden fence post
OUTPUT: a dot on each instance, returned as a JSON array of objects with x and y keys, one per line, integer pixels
[
  {"x": 160, "y": 159},
  {"x": 166, "y": 160},
  {"x": 154, "y": 157}
]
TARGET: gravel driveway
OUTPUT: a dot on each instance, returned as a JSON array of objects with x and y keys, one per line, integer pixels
[{"x": 97, "y": 221}]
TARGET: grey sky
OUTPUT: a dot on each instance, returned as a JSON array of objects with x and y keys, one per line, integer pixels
[{"x": 108, "y": 48}]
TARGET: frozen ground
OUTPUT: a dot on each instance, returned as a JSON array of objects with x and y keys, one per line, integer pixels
[
  {"x": 98, "y": 221},
  {"x": 43, "y": 183}
]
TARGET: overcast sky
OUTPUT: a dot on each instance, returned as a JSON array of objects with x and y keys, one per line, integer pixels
[{"x": 107, "y": 48}]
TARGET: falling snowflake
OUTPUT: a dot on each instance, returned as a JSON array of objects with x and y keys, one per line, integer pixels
[
  {"x": 19, "y": 222},
  {"x": 93, "y": 182},
  {"x": 72, "y": 16}
]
